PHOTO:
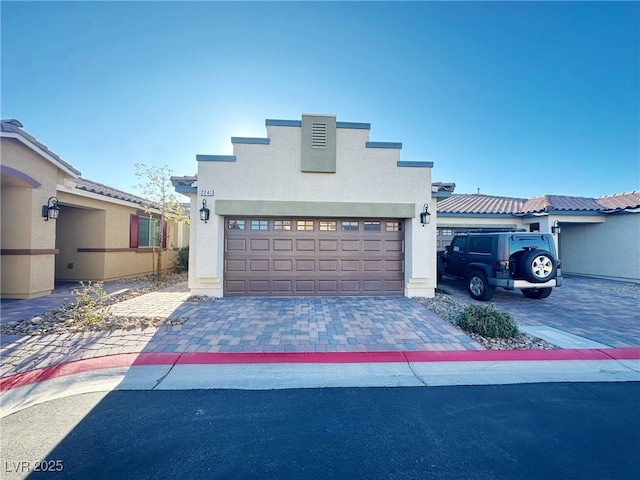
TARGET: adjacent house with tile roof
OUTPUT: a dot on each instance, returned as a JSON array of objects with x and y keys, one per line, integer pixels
[
  {"x": 596, "y": 236},
  {"x": 100, "y": 234}
]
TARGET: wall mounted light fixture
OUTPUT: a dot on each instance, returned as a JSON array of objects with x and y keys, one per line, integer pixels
[
  {"x": 556, "y": 227},
  {"x": 425, "y": 216},
  {"x": 204, "y": 212},
  {"x": 51, "y": 209}
]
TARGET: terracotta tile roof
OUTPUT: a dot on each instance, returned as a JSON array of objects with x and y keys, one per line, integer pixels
[
  {"x": 547, "y": 203},
  {"x": 487, "y": 204},
  {"x": 477, "y": 203},
  {"x": 99, "y": 188},
  {"x": 620, "y": 201}
]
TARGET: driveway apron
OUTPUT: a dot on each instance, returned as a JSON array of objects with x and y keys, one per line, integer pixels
[{"x": 604, "y": 311}]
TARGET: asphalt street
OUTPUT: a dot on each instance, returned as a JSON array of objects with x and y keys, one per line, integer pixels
[{"x": 528, "y": 431}]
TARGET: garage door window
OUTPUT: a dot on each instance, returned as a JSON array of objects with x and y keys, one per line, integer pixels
[
  {"x": 350, "y": 226},
  {"x": 235, "y": 225},
  {"x": 259, "y": 224},
  {"x": 328, "y": 225},
  {"x": 282, "y": 225},
  {"x": 372, "y": 226},
  {"x": 306, "y": 225},
  {"x": 394, "y": 226}
]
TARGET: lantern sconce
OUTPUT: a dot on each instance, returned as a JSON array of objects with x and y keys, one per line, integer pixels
[
  {"x": 555, "y": 229},
  {"x": 51, "y": 209},
  {"x": 204, "y": 212},
  {"x": 425, "y": 216}
]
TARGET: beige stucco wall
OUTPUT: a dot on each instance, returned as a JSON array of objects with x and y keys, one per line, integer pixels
[
  {"x": 90, "y": 223},
  {"x": 31, "y": 273},
  {"x": 273, "y": 173}
]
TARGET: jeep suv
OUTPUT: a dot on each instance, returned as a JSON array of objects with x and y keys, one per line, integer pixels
[{"x": 490, "y": 258}]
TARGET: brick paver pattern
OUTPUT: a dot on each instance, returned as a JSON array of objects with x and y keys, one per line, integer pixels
[{"x": 307, "y": 324}]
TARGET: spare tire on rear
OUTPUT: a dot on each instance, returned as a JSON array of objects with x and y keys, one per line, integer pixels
[{"x": 538, "y": 266}]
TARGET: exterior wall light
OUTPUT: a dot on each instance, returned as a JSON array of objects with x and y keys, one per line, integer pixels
[
  {"x": 204, "y": 212},
  {"x": 556, "y": 227},
  {"x": 51, "y": 209},
  {"x": 425, "y": 216}
]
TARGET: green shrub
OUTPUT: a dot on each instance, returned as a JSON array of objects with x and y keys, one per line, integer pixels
[
  {"x": 485, "y": 320},
  {"x": 182, "y": 264},
  {"x": 89, "y": 303}
]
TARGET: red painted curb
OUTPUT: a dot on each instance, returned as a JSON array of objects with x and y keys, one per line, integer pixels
[{"x": 146, "y": 359}]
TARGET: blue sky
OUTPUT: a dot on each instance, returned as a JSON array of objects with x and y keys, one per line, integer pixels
[{"x": 517, "y": 99}]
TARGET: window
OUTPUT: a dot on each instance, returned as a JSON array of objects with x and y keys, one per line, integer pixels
[
  {"x": 349, "y": 226},
  {"x": 395, "y": 226},
  {"x": 146, "y": 232},
  {"x": 458, "y": 244},
  {"x": 304, "y": 225},
  {"x": 328, "y": 225},
  {"x": 235, "y": 225},
  {"x": 282, "y": 225},
  {"x": 480, "y": 245},
  {"x": 372, "y": 226},
  {"x": 447, "y": 232},
  {"x": 259, "y": 224}
]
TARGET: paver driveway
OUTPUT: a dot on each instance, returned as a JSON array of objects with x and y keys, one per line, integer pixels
[{"x": 604, "y": 311}]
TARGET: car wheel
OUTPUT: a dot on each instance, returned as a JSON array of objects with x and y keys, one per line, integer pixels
[
  {"x": 537, "y": 292},
  {"x": 478, "y": 286},
  {"x": 538, "y": 266}
]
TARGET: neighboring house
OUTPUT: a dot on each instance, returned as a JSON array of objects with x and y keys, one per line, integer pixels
[
  {"x": 596, "y": 236},
  {"x": 314, "y": 208},
  {"x": 100, "y": 233}
]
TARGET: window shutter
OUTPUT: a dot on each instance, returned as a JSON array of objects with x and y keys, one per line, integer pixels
[
  {"x": 133, "y": 231},
  {"x": 164, "y": 234}
]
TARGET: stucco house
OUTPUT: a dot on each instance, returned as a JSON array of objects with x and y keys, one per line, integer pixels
[
  {"x": 597, "y": 237},
  {"x": 313, "y": 208},
  {"x": 100, "y": 233}
]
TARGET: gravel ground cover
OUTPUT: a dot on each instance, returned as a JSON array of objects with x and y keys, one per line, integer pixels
[{"x": 448, "y": 307}]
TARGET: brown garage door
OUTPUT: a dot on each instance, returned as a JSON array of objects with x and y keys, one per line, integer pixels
[{"x": 291, "y": 256}]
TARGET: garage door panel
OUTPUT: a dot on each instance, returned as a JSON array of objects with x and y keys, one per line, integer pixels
[
  {"x": 328, "y": 287},
  {"x": 236, "y": 244},
  {"x": 328, "y": 245},
  {"x": 328, "y": 266},
  {"x": 394, "y": 246},
  {"x": 282, "y": 287},
  {"x": 305, "y": 245},
  {"x": 259, "y": 245},
  {"x": 236, "y": 265},
  {"x": 305, "y": 287},
  {"x": 350, "y": 245},
  {"x": 313, "y": 262},
  {"x": 305, "y": 265},
  {"x": 393, "y": 266},
  {"x": 284, "y": 265},
  {"x": 258, "y": 265},
  {"x": 258, "y": 287},
  {"x": 372, "y": 245},
  {"x": 349, "y": 265},
  {"x": 283, "y": 245},
  {"x": 372, "y": 265}
]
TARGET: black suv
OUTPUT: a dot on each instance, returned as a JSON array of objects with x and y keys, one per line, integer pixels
[{"x": 490, "y": 258}]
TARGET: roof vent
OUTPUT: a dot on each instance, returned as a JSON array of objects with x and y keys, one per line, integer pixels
[{"x": 318, "y": 135}]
